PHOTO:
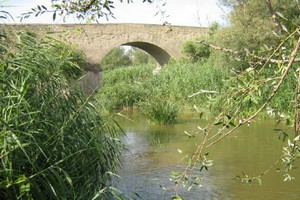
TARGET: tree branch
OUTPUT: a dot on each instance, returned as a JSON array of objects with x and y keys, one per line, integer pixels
[
  {"x": 291, "y": 61},
  {"x": 246, "y": 53},
  {"x": 273, "y": 14}
]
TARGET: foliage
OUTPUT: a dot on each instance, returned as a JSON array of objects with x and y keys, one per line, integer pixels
[
  {"x": 120, "y": 57},
  {"x": 121, "y": 96},
  {"x": 195, "y": 51},
  {"x": 4, "y": 15},
  {"x": 115, "y": 58},
  {"x": 125, "y": 87},
  {"x": 182, "y": 79},
  {"x": 268, "y": 75},
  {"x": 54, "y": 144},
  {"x": 140, "y": 57},
  {"x": 122, "y": 87},
  {"x": 253, "y": 29},
  {"x": 90, "y": 10},
  {"x": 160, "y": 110}
]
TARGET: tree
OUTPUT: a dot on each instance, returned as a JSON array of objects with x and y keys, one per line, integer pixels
[
  {"x": 90, "y": 10},
  {"x": 115, "y": 58},
  {"x": 252, "y": 28},
  {"x": 140, "y": 57}
]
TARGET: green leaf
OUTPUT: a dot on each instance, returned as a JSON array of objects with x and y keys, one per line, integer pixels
[
  {"x": 162, "y": 187},
  {"x": 284, "y": 28},
  {"x": 178, "y": 197},
  {"x": 281, "y": 15},
  {"x": 201, "y": 115},
  {"x": 175, "y": 174},
  {"x": 218, "y": 123},
  {"x": 68, "y": 177},
  {"x": 54, "y": 16},
  {"x": 297, "y": 138},
  {"x": 259, "y": 181},
  {"x": 179, "y": 151}
]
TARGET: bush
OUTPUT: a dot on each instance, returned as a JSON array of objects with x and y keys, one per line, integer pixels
[
  {"x": 115, "y": 58},
  {"x": 195, "y": 51}
]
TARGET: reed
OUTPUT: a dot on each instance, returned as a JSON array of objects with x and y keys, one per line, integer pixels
[
  {"x": 54, "y": 144},
  {"x": 160, "y": 110}
]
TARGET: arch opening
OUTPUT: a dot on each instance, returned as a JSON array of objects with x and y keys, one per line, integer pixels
[{"x": 160, "y": 55}]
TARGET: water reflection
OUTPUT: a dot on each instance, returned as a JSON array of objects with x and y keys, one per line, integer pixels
[{"x": 153, "y": 155}]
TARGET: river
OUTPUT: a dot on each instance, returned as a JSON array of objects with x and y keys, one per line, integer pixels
[{"x": 153, "y": 154}]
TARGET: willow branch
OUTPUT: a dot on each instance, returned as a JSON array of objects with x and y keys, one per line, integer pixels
[
  {"x": 293, "y": 56},
  {"x": 246, "y": 53},
  {"x": 273, "y": 14}
]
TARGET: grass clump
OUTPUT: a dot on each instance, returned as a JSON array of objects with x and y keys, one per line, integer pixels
[
  {"x": 160, "y": 110},
  {"x": 53, "y": 143}
]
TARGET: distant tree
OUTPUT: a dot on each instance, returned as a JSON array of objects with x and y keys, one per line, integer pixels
[
  {"x": 139, "y": 56},
  {"x": 256, "y": 27},
  {"x": 195, "y": 51},
  {"x": 115, "y": 58}
]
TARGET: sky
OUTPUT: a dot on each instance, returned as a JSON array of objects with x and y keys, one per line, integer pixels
[{"x": 199, "y": 13}]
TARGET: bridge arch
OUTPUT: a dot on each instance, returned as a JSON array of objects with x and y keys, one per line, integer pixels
[{"x": 159, "y": 54}]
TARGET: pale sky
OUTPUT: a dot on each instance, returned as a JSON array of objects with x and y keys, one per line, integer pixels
[{"x": 179, "y": 12}]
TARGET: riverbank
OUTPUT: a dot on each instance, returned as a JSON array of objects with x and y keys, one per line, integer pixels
[{"x": 180, "y": 87}]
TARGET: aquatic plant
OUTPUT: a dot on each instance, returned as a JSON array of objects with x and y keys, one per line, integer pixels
[{"x": 160, "y": 110}]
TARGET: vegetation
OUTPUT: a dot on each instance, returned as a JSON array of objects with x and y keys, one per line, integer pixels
[
  {"x": 119, "y": 57},
  {"x": 54, "y": 144},
  {"x": 140, "y": 57},
  {"x": 160, "y": 110},
  {"x": 90, "y": 10},
  {"x": 253, "y": 72},
  {"x": 255, "y": 55},
  {"x": 136, "y": 87},
  {"x": 116, "y": 58},
  {"x": 263, "y": 75}
]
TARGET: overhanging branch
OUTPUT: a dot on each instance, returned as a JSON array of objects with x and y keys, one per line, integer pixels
[{"x": 246, "y": 53}]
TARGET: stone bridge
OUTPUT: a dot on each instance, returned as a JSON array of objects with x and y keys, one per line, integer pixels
[{"x": 96, "y": 40}]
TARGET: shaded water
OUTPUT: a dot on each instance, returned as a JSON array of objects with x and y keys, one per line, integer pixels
[{"x": 153, "y": 155}]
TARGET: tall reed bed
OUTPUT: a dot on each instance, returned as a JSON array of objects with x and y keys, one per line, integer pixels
[
  {"x": 124, "y": 87},
  {"x": 161, "y": 95},
  {"x": 181, "y": 79},
  {"x": 54, "y": 144}
]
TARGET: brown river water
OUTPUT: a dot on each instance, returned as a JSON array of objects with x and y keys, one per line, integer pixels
[{"x": 153, "y": 154}]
